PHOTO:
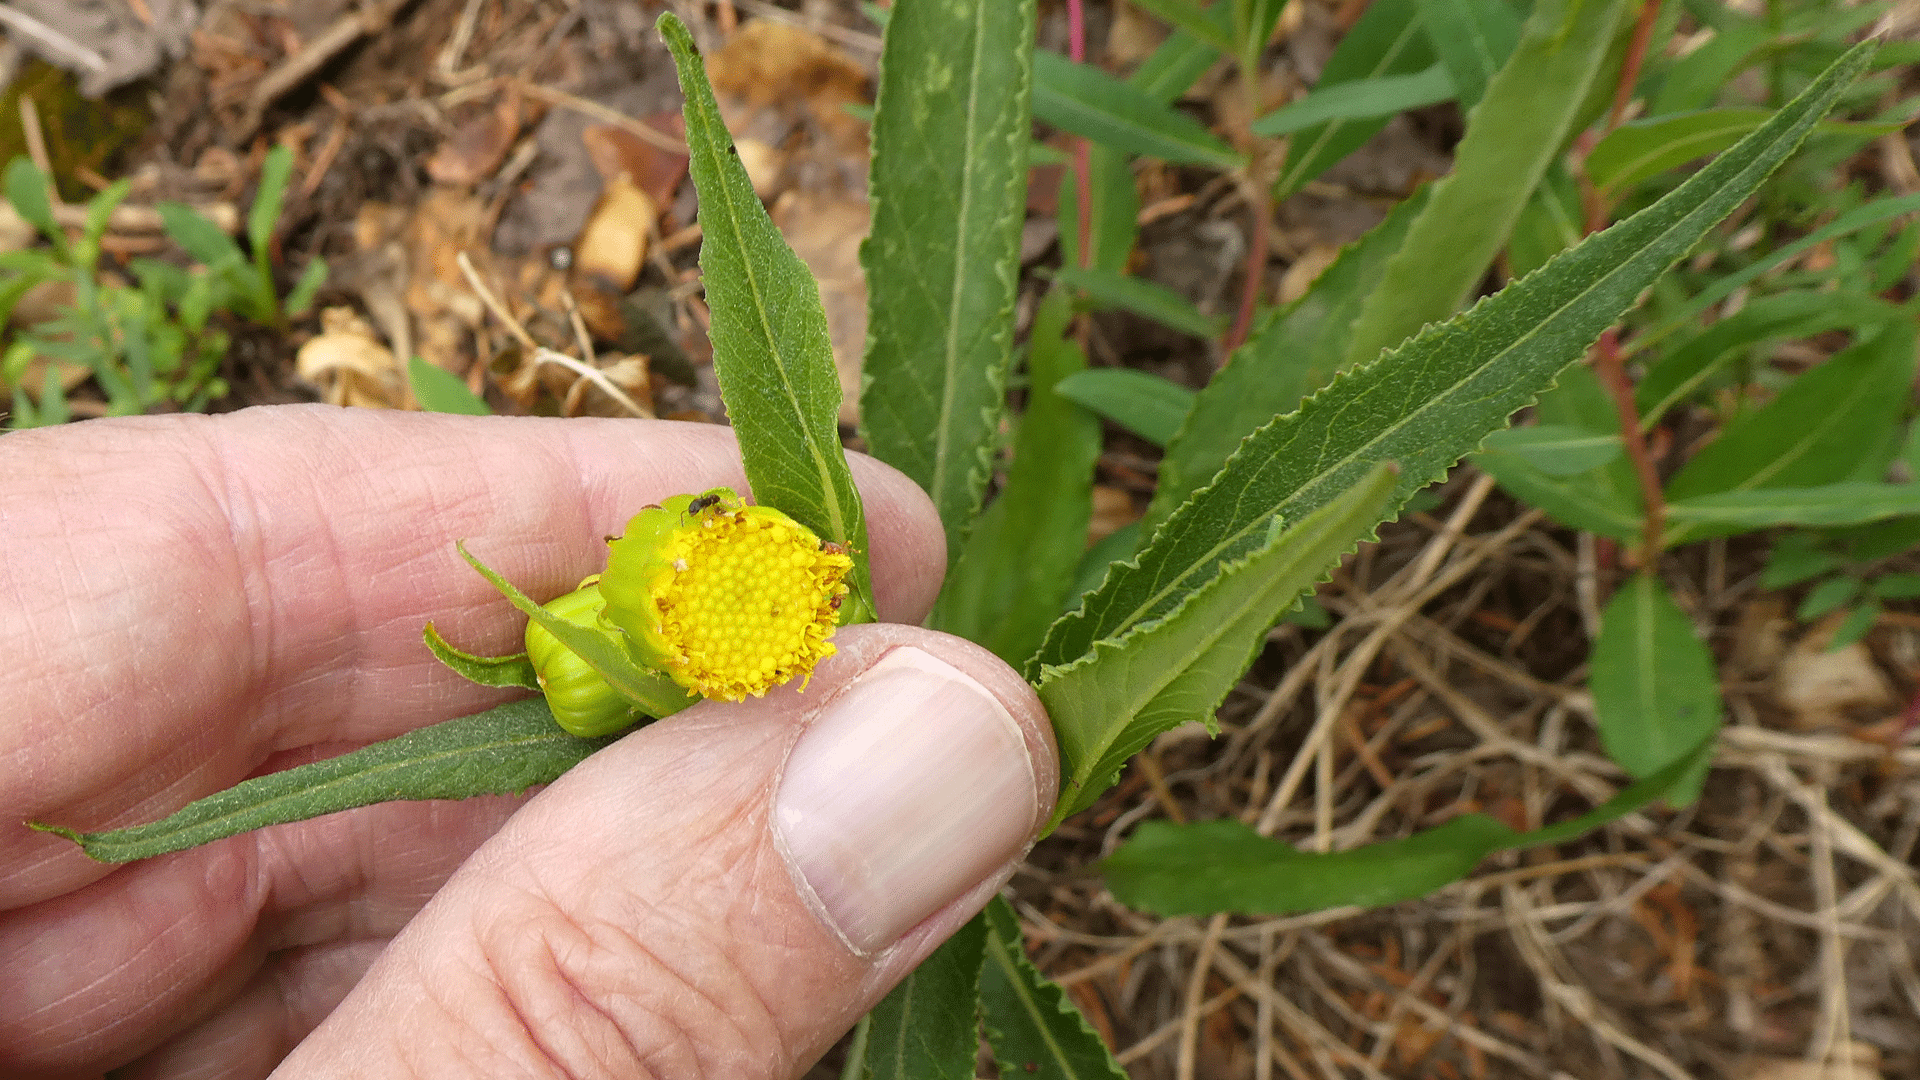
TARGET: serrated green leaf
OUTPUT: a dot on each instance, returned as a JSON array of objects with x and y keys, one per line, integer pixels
[
  {"x": 1680, "y": 372},
  {"x": 1387, "y": 40},
  {"x": 1128, "y": 688},
  {"x": 1013, "y": 575},
  {"x": 651, "y": 691},
  {"x": 1809, "y": 435},
  {"x": 1826, "y": 505},
  {"x": 928, "y": 1027},
  {"x": 1212, "y": 866},
  {"x": 502, "y": 751},
  {"x": 1361, "y": 99},
  {"x": 1089, "y": 102},
  {"x": 1429, "y": 402},
  {"x": 948, "y": 189},
  {"x": 514, "y": 670},
  {"x": 1514, "y": 134},
  {"x": 1642, "y": 149},
  {"x": 1655, "y": 691},
  {"x": 1291, "y": 353},
  {"x": 770, "y": 348},
  {"x": 439, "y": 390},
  {"x": 1034, "y": 1028},
  {"x": 1474, "y": 39},
  {"x": 1558, "y": 449},
  {"x": 1112, "y": 288},
  {"x": 1148, "y": 405}
]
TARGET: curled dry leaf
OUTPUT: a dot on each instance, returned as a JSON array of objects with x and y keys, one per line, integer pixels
[
  {"x": 1820, "y": 687},
  {"x": 615, "y": 150},
  {"x": 613, "y": 246},
  {"x": 348, "y": 363},
  {"x": 478, "y": 146}
]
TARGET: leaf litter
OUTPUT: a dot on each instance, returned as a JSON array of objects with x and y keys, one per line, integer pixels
[{"x": 1769, "y": 923}]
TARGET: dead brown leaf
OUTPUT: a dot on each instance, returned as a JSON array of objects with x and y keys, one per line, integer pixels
[
  {"x": 613, "y": 246},
  {"x": 348, "y": 363},
  {"x": 479, "y": 144},
  {"x": 1819, "y": 687},
  {"x": 825, "y": 231}
]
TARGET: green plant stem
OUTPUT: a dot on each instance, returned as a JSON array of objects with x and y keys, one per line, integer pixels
[
  {"x": 1257, "y": 186},
  {"x": 1630, "y": 69},
  {"x": 1082, "y": 149}
]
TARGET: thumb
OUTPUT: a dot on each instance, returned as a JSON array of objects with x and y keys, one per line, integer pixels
[{"x": 725, "y": 892}]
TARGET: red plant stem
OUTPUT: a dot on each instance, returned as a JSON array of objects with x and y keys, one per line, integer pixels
[
  {"x": 1612, "y": 370},
  {"x": 1605, "y": 356},
  {"x": 1630, "y": 69},
  {"x": 1082, "y": 150},
  {"x": 1256, "y": 264}
]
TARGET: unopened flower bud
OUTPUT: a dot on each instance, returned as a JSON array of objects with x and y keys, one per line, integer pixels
[{"x": 582, "y": 701}]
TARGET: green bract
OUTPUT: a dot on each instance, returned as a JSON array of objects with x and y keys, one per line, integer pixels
[{"x": 582, "y": 701}]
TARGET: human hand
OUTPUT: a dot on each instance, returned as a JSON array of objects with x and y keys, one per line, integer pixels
[{"x": 189, "y": 601}]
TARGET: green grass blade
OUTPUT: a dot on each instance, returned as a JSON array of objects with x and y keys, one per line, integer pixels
[
  {"x": 1035, "y": 1029},
  {"x": 948, "y": 188},
  {"x": 1432, "y": 401},
  {"x": 1112, "y": 702},
  {"x": 1361, "y": 99},
  {"x": 928, "y": 1027},
  {"x": 1517, "y": 130},
  {"x": 1825, "y": 506},
  {"x": 770, "y": 347},
  {"x": 1111, "y": 288},
  {"x": 502, "y": 751},
  {"x": 1013, "y": 574}
]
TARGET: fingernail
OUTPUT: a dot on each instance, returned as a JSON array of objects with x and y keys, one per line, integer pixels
[{"x": 912, "y": 787}]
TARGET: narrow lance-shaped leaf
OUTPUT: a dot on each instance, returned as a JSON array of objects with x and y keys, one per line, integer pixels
[
  {"x": 1605, "y": 497},
  {"x": 1012, "y": 576},
  {"x": 770, "y": 346},
  {"x": 1517, "y": 130},
  {"x": 1292, "y": 353},
  {"x": 1362, "y": 99},
  {"x": 948, "y": 188},
  {"x": 1110, "y": 703},
  {"x": 1474, "y": 39},
  {"x": 928, "y": 1027},
  {"x": 512, "y": 670},
  {"x": 1431, "y": 401},
  {"x": 1212, "y": 866},
  {"x": 1828, "y": 505},
  {"x": 1811, "y": 434},
  {"x": 1089, "y": 102},
  {"x": 502, "y": 751},
  {"x": 1034, "y": 1028},
  {"x": 1655, "y": 692},
  {"x": 1150, "y": 406},
  {"x": 1387, "y": 40}
]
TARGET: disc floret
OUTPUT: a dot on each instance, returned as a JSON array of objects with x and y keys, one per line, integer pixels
[{"x": 728, "y": 600}]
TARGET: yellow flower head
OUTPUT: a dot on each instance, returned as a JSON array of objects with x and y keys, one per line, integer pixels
[{"x": 727, "y": 599}]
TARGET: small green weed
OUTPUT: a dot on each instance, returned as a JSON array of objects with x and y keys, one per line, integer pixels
[{"x": 150, "y": 342}]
